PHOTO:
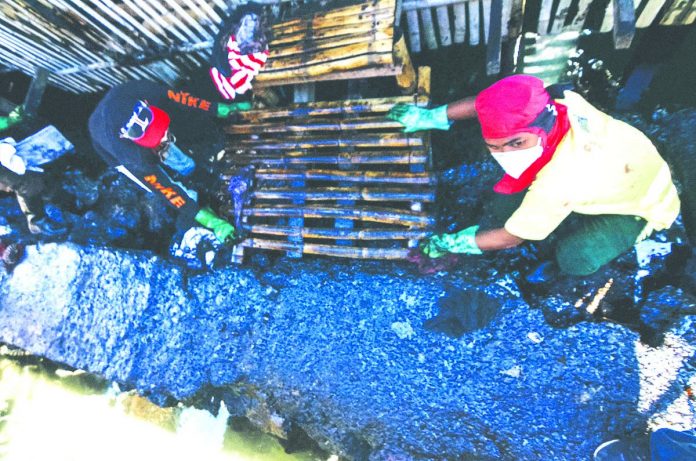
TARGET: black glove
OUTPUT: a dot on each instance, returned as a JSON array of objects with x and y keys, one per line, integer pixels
[{"x": 462, "y": 311}]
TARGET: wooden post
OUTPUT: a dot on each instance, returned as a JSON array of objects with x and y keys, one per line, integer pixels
[
  {"x": 624, "y": 23},
  {"x": 407, "y": 78},
  {"x": 32, "y": 100},
  {"x": 423, "y": 93},
  {"x": 544, "y": 17},
  {"x": 560, "y": 16},
  {"x": 474, "y": 7}
]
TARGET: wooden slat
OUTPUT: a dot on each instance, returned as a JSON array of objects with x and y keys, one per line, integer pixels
[
  {"x": 443, "y": 25},
  {"x": 367, "y": 177},
  {"x": 329, "y": 250},
  {"x": 459, "y": 10},
  {"x": 406, "y": 80},
  {"x": 580, "y": 17},
  {"x": 334, "y": 233},
  {"x": 649, "y": 13},
  {"x": 383, "y": 26},
  {"x": 315, "y": 45},
  {"x": 324, "y": 56},
  {"x": 377, "y": 122},
  {"x": 320, "y": 21},
  {"x": 505, "y": 19},
  {"x": 362, "y": 213},
  {"x": 293, "y": 142},
  {"x": 327, "y": 108},
  {"x": 368, "y": 194},
  {"x": 390, "y": 157},
  {"x": 544, "y": 17},
  {"x": 560, "y": 16},
  {"x": 486, "y": 18}
]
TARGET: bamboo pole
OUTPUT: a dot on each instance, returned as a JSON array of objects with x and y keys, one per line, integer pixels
[
  {"x": 346, "y": 193},
  {"x": 459, "y": 10},
  {"x": 314, "y": 142},
  {"x": 336, "y": 233},
  {"x": 362, "y": 213},
  {"x": 363, "y": 123},
  {"x": 326, "y": 56},
  {"x": 474, "y": 7},
  {"x": 443, "y": 24},
  {"x": 428, "y": 28},
  {"x": 368, "y": 177},
  {"x": 329, "y": 250},
  {"x": 340, "y": 158},
  {"x": 413, "y": 31},
  {"x": 407, "y": 78}
]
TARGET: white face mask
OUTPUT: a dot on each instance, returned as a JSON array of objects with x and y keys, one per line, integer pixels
[{"x": 515, "y": 162}]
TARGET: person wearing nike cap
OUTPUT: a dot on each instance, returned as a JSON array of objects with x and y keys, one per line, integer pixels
[
  {"x": 567, "y": 166},
  {"x": 133, "y": 129}
]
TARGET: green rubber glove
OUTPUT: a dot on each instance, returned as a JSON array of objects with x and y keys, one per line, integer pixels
[
  {"x": 224, "y": 110},
  {"x": 415, "y": 118},
  {"x": 463, "y": 241},
  {"x": 221, "y": 228},
  {"x": 13, "y": 118}
]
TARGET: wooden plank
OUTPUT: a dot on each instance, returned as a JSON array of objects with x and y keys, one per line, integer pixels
[
  {"x": 328, "y": 108},
  {"x": 301, "y": 126},
  {"x": 649, "y": 13},
  {"x": 362, "y": 213},
  {"x": 390, "y": 157},
  {"x": 367, "y": 177},
  {"x": 32, "y": 100},
  {"x": 544, "y": 17},
  {"x": 346, "y": 193},
  {"x": 322, "y": 56},
  {"x": 423, "y": 93},
  {"x": 624, "y": 23},
  {"x": 359, "y": 65},
  {"x": 406, "y": 80},
  {"x": 428, "y": 28},
  {"x": 333, "y": 233},
  {"x": 473, "y": 7},
  {"x": 505, "y": 19},
  {"x": 459, "y": 10},
  {"x": 294, "y": 142},
  {"x": 383, "y": 25},
  {"x": 443, "y": 25},
  {"x": 336, "y": 251},
  {"x": 494, "y": 44},
  {"x": 410, "y": 5},
  {"x": 352, "y": 73},
  {"x": 322, "y": 20},
  {"x": 310, "y": 46},
  {"x": 413, "y": 31}
]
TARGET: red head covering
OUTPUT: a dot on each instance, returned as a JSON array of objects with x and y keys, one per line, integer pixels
[
  {"x": 513, "y": 105},
  {"x": 147, "y": 125}
]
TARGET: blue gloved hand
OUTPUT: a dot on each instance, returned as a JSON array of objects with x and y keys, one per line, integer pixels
[
  {"x": 463, "y": 242},
  {"x": 415, "y": 118}
]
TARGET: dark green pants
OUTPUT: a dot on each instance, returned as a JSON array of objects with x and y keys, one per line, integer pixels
[{"x": 584, "y": 243}]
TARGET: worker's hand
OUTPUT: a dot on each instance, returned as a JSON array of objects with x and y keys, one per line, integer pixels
[
  {"x": 223, "y": 230},
  {"x": 225, "y": 109},
  {"x": 17, "y": 114},
  {"x": 415, "y": 118},
  {"x": 463, "y": 242}
]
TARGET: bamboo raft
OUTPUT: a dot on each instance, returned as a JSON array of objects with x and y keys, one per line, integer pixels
[
  {"x": 347, "y": 42},
  {"x": 332, "y": 178}
]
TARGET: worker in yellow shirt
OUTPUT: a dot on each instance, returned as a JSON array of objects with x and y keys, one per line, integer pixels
[{"x": 568, "y": 166}]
